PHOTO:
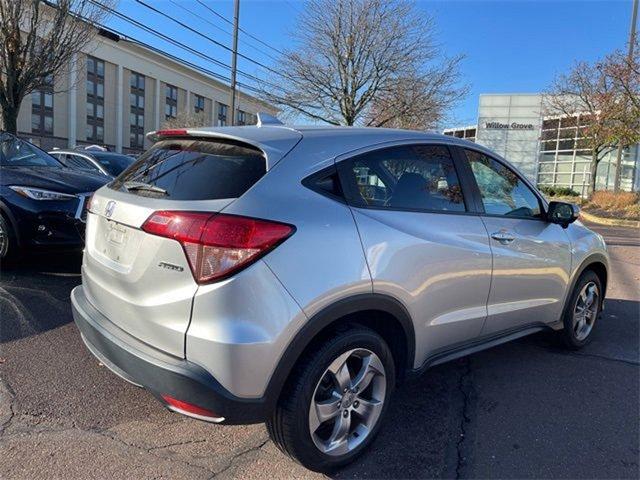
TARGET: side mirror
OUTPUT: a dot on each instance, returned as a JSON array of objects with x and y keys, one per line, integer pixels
[{"x": 563, "y": 213}]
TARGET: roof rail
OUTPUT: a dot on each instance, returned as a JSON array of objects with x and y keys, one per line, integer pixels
[{"x": 266, "y": 119}]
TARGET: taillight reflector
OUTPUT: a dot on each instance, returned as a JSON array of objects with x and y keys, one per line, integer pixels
[
  {"x": 188, "y": 408},
  {"x": 218, "y": 245}
]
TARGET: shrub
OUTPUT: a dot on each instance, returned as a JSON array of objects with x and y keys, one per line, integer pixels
[
  {"x": 555, "y": 191},
  {"x": 614, "y": 200}
]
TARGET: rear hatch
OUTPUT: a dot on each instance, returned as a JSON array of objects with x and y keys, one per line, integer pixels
[{"x": 142, "y": 282}]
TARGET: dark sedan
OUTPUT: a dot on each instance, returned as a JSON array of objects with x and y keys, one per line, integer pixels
[{"x": 42, "y": 202}]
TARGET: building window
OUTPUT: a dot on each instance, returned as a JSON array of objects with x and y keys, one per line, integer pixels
[
  {"x": 171, "y": 102},
  {"x": 242, "y": 117},
  {"x": 136, "y": 112},
  {"x": 222, "y": 114},
  {"x": 95, "y": 100},
  {"x": 199, "y": 104},
  {"x": 42, "y": 108}
]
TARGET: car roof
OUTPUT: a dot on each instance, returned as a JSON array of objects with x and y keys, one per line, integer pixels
[
  {"x": 276, "y": 140},
  {"x": 89, "y": 153}
]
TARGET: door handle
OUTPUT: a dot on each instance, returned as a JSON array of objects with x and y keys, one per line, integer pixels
[{"x": 503, "y": 237}]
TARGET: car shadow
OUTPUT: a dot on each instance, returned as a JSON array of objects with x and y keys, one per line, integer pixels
[
  {"x": 34, "y": 293},
  {"x": 435, "y": 423}
]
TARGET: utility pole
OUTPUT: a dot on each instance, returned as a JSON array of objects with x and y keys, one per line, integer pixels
[
  {"x": 234, "y": 59},
  {"x": 632, "y": 41}
]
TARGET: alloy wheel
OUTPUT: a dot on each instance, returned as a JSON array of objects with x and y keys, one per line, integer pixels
[
  {"x": 347, "y": 402},
  {"x": 585, "y": 311}
]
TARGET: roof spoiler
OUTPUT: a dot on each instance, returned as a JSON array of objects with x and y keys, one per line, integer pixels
[{"x": 266, "y": 119}]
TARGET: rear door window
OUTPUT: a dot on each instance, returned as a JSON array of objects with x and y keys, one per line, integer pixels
[
  {"x": 408, "y": 177},
  {"x": 194, "y": 169}
]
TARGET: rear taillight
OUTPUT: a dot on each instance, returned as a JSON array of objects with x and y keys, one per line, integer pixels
[{"x": 218, "y": 245}]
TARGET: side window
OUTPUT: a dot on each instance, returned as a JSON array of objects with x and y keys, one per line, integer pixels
[
  {"x": 502, "y": 191},
  {"x": 412, "y": 177},
  {"x": 76, "y": 161},
  {"x": 61, "y": 157}
]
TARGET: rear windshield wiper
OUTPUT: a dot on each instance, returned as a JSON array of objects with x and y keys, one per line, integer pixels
[{"x": 144, "y": 186}]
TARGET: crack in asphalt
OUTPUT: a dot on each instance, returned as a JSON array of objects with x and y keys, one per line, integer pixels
[
  {"x": 465, "y": 386},
  {"x": 177, "y": 444},
  {"x": 603, "y": 357},
  {"x": 150, "y": 450},
  {"x": 590, "y": 355},
  {"x": 234, "y": 459},
  {"x": 6, "y": 395}
]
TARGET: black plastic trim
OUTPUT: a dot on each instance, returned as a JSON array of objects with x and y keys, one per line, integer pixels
[
  {"x": 161, "y": 373},
  {"x": 330, "y": 316},
  {"x": 311, "y": 183},
  {"x": 476, "y": 345},
  {"x": 586, "y": 263}
]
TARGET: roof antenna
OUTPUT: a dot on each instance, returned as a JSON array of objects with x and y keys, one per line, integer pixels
[{"x": 266, "y": 119}]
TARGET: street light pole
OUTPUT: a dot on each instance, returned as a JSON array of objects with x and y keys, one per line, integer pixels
[
  {"x": 632, "y": 41},
  {"x": 234, "y": 59}
]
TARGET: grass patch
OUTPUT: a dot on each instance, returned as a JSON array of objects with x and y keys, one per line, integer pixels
[{"x": 623, "y": 205}]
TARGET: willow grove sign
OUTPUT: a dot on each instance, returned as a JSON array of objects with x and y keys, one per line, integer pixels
[{"x": 508, "y": 126}]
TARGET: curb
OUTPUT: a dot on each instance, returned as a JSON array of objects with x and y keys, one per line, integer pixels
[{"x": 613, "y": 222}]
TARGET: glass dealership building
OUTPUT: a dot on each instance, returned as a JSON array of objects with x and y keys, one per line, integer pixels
[{"x": 550, "y": 151}]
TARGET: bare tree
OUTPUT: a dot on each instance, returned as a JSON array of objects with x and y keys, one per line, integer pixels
[
  {"x": 419, "y": 102},
  {"x": 187, "y": 120},
  {"x": 37, "y": 40},
  {"x": 587, "y": 91},
  {"x": 352, "y": 59}
]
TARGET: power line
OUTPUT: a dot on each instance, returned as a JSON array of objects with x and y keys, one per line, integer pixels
[
  {"x": 178, "y": 59},
  {"x": 178, "y": 44},
  {"x": 295, "y": 7},
  {"x": 241, "y": 29},
  {"x": 215, "y": 42},
  {"x": 194, "y": 14}
]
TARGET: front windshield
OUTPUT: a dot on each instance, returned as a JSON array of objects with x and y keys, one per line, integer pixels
[{"x": 15, "y": 152}]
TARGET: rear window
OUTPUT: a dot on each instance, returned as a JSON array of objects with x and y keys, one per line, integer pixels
[{"x": 194, "y": 170}]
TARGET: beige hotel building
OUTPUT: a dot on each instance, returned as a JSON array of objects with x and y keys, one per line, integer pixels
[{"x": 118, "y": 91}]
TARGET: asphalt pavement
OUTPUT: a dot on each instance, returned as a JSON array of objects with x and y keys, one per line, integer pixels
[{"x": 527, "y": 409}]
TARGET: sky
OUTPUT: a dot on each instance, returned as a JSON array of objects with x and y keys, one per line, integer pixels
[{"x": 510, "y": 46}]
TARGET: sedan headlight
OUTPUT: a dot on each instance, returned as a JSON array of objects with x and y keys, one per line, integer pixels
[{"x": 39, "y": 194}]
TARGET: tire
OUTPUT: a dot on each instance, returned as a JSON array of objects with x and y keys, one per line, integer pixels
[
  {"x": 8, "y": 244},
  {"x": 586, "y": 297},
  {"x": 290, "y": 425}
]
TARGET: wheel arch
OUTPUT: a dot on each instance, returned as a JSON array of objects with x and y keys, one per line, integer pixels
[
  {"x": 596, "y": 262},
  {"x": 5, "y": 211},
  {"x": 383, "y": 314}
]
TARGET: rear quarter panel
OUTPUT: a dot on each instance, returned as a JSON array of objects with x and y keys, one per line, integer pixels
[{"x": 323, "y": 261}]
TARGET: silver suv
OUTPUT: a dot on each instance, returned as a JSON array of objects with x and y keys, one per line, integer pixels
[{"x": 294, "y": 275}]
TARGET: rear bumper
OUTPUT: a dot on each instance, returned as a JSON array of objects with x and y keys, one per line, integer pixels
[{"x": 158, "y": 372}]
